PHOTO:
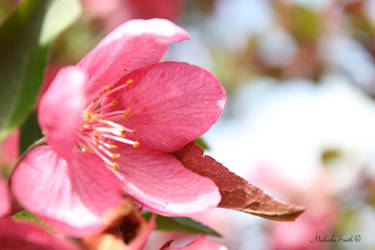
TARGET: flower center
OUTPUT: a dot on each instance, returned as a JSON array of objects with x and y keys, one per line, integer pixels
[{"x": 99, "y": 132}]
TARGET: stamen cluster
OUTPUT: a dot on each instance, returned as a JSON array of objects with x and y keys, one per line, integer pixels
[{"x": 100, "y": 133}]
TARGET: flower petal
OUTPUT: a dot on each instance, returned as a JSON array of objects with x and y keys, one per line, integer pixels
[
  {"x": 171, "y": 104},
  {"x": 22, "y": 235},
  {"x": 73, "y": 198},
  {"x": 199, "y": 244},
  {"x": 61, "y": 109},
  {"x": 160, "y": 182},
  {"x": 5, "y": 204},
  {"x": 132, "y": 45}
]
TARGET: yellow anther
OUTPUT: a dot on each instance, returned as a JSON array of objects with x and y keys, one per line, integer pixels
[
  {"x": 136, "y": 144},
  {"x": 87, "y": 115},
  {"x": 112, "y": 146},
  {"x": 88, "y": 149},
  {"x": 126, "y": 114},
  {"x": 90, "y": 117},
  {"x": 122, "y": 133},
  {"x": 115, "y": 166},
  {"x": 94, "y": 118},
  {"x": 134, "y": 132},
  {"x": 114, "y": 102},
  {"x": 115, "y": 156},
  {"x": 107, "y": 88},
  {"x": 96, "y": 133},
  {"x": 129, "y": 81}
]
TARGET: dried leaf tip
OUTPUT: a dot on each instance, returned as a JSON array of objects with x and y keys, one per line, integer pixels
[{"x": 236, "y": 192}]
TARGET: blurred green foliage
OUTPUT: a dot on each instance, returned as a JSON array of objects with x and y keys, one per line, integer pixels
[
  {"x": 180, "y": 224},
  {"x": 25, "y": 215},
  {"x": 25, "y": 38},
  {"x": 21, "y": 64},
  {"x": 30, "y": 132},
  {"x": 306, "y": 24}
]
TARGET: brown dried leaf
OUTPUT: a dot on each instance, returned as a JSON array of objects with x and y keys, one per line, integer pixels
[{"x": 235, "y": 191}]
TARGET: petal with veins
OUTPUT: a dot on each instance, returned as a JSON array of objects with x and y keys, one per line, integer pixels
[
  {"x": 61, "y": 109},
  {"x": 73, "y": 198},
  {"x": 171, "y": 104},
  {"x": 25, "y": 236},
  {"x": 132, "y": 45},
  {"x": 162, "y": 184}
]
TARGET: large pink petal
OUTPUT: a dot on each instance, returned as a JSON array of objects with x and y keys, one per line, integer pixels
[
  {"x": 61, "y": 109},
  {"x": 5, "y": 204},
  {"x": 73, "y": 198},
  {"x": 162, "y": 184},
  {"x": 25, "y": 236},
  {"x": 200, "y": 244},
  {"x": 171, "y": 104},
  {"x": 132, "y": 45}
]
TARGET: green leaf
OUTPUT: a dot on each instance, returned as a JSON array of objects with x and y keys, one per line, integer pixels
[
  {"x": 25, "y": 38},
  {"x": 30, "y": 132},
  {"x": 60, "y": 15},
  {"x": 181, "y": 224},
  {"x": 330, "y": 155},
  {"x": 19, "y": 36},
  {"x": 306, "y": 22},
  {"x": 202, "y": 143},
  {"x": 26, "y": 215}
]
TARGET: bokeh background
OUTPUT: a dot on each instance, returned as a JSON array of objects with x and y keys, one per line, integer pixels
[{"x": 300, "y": 115}]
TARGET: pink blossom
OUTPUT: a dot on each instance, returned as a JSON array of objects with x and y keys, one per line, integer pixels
[
  {"x": 5, "y": 203},
  {"x": 9, "y": 150},
  {"x": 25, "y": 236},
  {"x": 199, "y": 244},
  {"x": 111, "y": 124}
]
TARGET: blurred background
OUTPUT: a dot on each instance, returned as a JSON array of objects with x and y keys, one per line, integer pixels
[{"x": 300, "y": 115}]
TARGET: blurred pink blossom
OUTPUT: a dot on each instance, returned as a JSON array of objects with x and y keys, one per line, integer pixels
[
  {"x": 111, "y": 123},
  {"x": 170, "y": 9},
  {"x": 50, "y": 73},
  {"x": 319, "y": 218},
  {"x": 5, "y": 203},
  {"x": 114, "y": 12},
  {"x": 25, "y": 236},
  {"x": 9, "y": 151},
  {"x": 301, "y": 234}
]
